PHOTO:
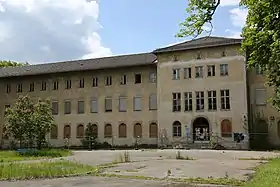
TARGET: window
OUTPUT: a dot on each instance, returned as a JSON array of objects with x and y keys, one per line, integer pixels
[
  {"x": 123, "y": 80},
  {"x": 94, "y": 105},
  {"x": 67, "y": 131},
  {"x": 225, "y": 100},
  {"x": 223, "y": 69},
  {"x": 260, "y": 95},
  {"x": 67, "y": 107},
  {"x": 94, "y": 82},
  {"x": 187, "y": 73},
  {"x": 137, "y": 101},
  {"x": 259, "y": 70},
  {"x": 138, "y": 78},
  {"x": 137, "y": 130},
  {"x": 122, "y": 130},
  {"x": 176, "y": 74},
  {"x": 82, "y": 83},
  {"x": 211, "y": 71},
  {"x": 122, "y": 104},
  {"x": 80, "y": 131},
  {"x": 19, "y": 87},
  {"x": 108, "y": 131},
  {"x": 108, "y": 80},
  {"x": 226, "y": 128},
  {"x": 55, "y": 108},
  {"x": 153, "y": 130},
  {"x": 199, "y": 72},
  {"x": 8, "y": 88},
  {"x": 199, "y": 101},
  {"x": 31, "y": 87},
  {"x": 153, "y": 77},
  {"x": 153, "y": 102},
  {"x": 108, "y": 104},
  {"x": 43, "y": 86},
  {"x": 188, "y": 101},
  {"x": 68, "y": 84},
  {"x": 177, "y": 129},
  {"x": 81, "y": 107},
  {"x": 55, "y": 85},
  {"x": 54, "y": 132},
  {"x": 176, "y": 104},
  {"x": 212, "y": 100}
]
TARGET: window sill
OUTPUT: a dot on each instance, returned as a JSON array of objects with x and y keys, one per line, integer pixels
[
  {"x": 200, "y": 110},
  {"x": 213, "y": 110},
  {"x": 188, "y": 110},
  {"x": 225, "y": 110},
  {"x": 108, "y": 111},
  {"x": 94, "y": 112},
  {"x": 152, "y": 109},
  {"x": 122, "y": 111},
  {"x": 137, "y": 110}
]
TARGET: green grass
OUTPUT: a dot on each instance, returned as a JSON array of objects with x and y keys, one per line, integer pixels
[
  {"x": 54, "y": 169},
  {"x": 256, "y": 158}
]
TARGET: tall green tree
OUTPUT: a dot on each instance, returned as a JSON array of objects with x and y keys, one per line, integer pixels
[
  {"x": 4, "y": 63},
  {"x": 261, "y": 34}
]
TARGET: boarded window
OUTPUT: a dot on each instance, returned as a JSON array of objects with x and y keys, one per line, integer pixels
[
  {"x": 137, "y": 130},
  {"x": 94, "y": 105},
  {"x": 54, "y": 132},
  {"x": 80, "y": 131},
  {"x": 177, "y": 129},
  {"x": 226, "y": 128},
  {"x": 67, "y": 131},
  {"x": 153, "y": 130},
  {"x": 122, "y": 104},
  {"x": 122, "y": 130},
  {"x": 108, "y": 131},
  {"x": 137, "y": 103},
  {"x": 153, "y": 102}
]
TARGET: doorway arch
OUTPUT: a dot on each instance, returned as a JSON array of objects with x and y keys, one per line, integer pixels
[{"x": 201, "y": 130}]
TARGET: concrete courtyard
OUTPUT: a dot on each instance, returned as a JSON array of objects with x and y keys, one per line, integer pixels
[{"x": 158, "y": 163}]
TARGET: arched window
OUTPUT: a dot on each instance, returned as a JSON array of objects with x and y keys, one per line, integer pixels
[
  {"x": 153, "y": 130},
  {"x": 137, "y": 130},
  {"x": 122, "y": 130},
  {"x": 67, "y": 131},
  {"x": 54, "y": 132},
  {"x": 108, "y": 131},
  {"x": 177, "y": 129},
  {"x": 80, "y": 131},
  {"x": 226, "y": 128}
]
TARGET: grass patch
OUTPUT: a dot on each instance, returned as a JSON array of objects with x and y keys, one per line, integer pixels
[
  {"x": 51, "y": 169},
  {"x": 256, "y": 158}
]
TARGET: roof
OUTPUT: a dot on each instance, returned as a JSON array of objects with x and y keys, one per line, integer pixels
[
  {"x": 80, "y": 65},
  {"x": 204, "y": 42}
]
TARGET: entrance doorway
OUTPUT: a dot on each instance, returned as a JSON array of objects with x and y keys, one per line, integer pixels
[{"x": 201, "y": 129}]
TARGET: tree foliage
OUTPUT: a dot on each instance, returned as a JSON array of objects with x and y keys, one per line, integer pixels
[
  {"x": 261, "y": 34},
  {"x": 4, "y": 63}
]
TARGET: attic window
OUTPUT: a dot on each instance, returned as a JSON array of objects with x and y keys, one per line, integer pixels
[{"x": 198, "y": 56}]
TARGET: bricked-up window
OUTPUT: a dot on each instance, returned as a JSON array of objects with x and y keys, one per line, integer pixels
[
  {"x": 225, "y": 100},
  {"x": 224, "y": 69},
  {"x": 108, "y": 104},
  {"x": 67, "y": 131},
  {"x": 82, "y": 83},
  {"x": 212, "y": 100},
  {"x": 55, "y": 85},
  {"x": 188, "y": 101},
  {"x": 153, "y": 77},
  {"x": 55, "y": 108},
  {"x": 138, "y": 78},
  {"x": 108, "y": 131},
  {"x": 80, "y": 131},
  {"x": 226, "y": 128},
  {"x": 187, "y": 73},
  {"x": 176, "y": 104},
  {"x": 68, "y": 84},
  {"x": 31, "y": 87},
  {"x": 94, "y": 105},
  {"x": 153, "y": 130},
  {"x": 199, "y": 96},
  {"x": 67, "y": 107},
  {"x": 54, "y": 132},
  {"x": 122, "y": 103},
  {"x": 153, "y": 102},
  {"x": 123, "y": 80},
  {"x": 81, "y": 107},
  {"x": 137, "y": 130},
  {"x": 8, "y": 88},
  {"x": 259, "y": 70},
  {"x": 43, "y": 86},
  {"x": 94, "y": 82},
  {"x": 108, "y": 80},
  {"x": 176, "y": 74},
  {"x": 177, "y": 129},
  {"x": 199, "y": 72},
  {"x": 211, "y": 71},
  {"x": 19, "y": 88},
  {"x": 122, "y": 130}
]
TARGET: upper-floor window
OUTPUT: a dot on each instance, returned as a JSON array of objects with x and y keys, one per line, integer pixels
[
  {"x": 153, "y": 77},
  {"x": 225, "y": 100},
  {"x": 82, "y": 83},
  {"x": 153, "y": 102},
  {"x": 43, "y": 86},
  {"x": 94, "y": 82},
  {"x": 55, "y": 108},
  {"x": 198, "y": 71},
  {"x": 94, "y": 105},
  {"x": 259, "y": 70},
  {"x": 8, "y": 88},
  {"x": 212, "y": 100},
  {"x": 188, "y": 101},
  {"x": 19, "y": 87},
  {"x": 176, "y": 74},
  {"x": 199, "y": 101},
  {"x": 137, "y": 103},
  {"x": 108, "y": 104},
  {"x": 68, "y": 84},
  {"x": 211, "y": 71},
  {"x": 81, "y": 107},
  {"x": 176, "y": 104},
  {"x": 138, "y": 78},
  {"x": 67, "y": 107},
  {"x": 108, "y": 80},
  {"x": 122, "y": 104},
  {"x": 187, "y": 73},
  {"x": 55, "y": 85},
  {"x": 31, "y": 87},
  {"x": 224, "y": 69},
  {"x": 260, "y": 96},
  {"x": 123, "y": 80}
]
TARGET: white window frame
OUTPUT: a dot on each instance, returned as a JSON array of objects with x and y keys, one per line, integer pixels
[
  {"x": 123, "y": 80},
  {"x": 212, "y": 100},
  {"x": 94, "y": 105},
  {"x": 176, "y": 74},
  {"x": 211, "y": 70},
  {"x": 225, "y": 99},
  {"x": 95, "y": 82},
  {"x": 223, "y": 69},
  {"x": 199, "y": 101},
  {"x": 199, "y": 72},
  {"x": 108, "y": 80},
  {"x": 176, "y": 102},
  {"x": 188, "y": 101},
  {"x": 188, "y": 73}
]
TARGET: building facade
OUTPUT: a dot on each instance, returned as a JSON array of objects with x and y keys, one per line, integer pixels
[{"x": 178, "y": 94}]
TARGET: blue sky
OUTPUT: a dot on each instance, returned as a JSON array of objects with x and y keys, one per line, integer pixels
[{"x": 40, "y": 31}]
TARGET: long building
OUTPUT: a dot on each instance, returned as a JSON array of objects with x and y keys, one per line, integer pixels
[{"x": 181, "y": 93}]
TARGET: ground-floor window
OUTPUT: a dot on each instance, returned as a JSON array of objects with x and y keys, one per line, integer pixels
[{"x": 177, "y": 129}]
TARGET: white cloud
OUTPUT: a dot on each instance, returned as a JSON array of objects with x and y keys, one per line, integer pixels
[
  {"x": 238, "y": 16},
  {"x": 233, "y": 33},
  {"x": 50, "y": 30},
  {"x": 229, "y": 2}
]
